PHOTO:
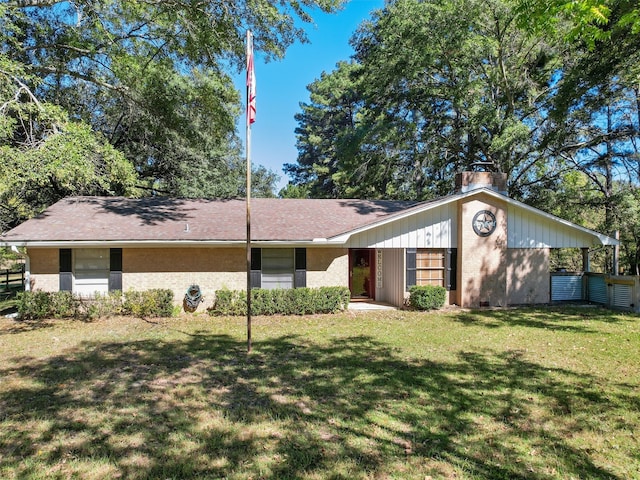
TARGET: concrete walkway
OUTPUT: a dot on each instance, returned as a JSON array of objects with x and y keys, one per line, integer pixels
[{"x": 370, "y": 306}]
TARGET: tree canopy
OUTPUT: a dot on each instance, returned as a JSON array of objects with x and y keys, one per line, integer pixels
[
  {"x": 434, "y": 88},
  {"x": 151, "y": 80},
  {"x": 546, "y": 92}
]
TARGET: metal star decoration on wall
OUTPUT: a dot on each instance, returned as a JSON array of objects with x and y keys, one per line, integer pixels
[{"x": 484, "y": 223}]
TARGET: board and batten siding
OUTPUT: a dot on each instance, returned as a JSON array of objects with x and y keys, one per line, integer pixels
[
  {"x": 393, "y": 277},
  {"x": 433, "y": 228},
  {"x": 526, "y": 229}
]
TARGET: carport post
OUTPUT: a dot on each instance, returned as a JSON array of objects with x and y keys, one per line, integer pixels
[
  {"x": 586, "y": 263},
  {"x": 616, "y": 253}
]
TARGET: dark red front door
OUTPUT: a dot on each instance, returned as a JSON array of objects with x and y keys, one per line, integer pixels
[{"x": 362, "y": 273}]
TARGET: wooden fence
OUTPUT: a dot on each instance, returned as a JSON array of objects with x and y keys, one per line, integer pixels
[{"x": 11, "y": 282}]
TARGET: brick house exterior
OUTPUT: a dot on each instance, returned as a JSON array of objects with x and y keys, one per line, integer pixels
[{"x": 485, "y": 248}]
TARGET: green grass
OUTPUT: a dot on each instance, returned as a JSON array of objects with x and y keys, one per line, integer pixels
[{"x": 512, "y": 394}]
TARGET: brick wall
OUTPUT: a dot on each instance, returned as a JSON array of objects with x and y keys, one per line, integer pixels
[
  {"x": 327, "y": 267},
  {"x": 528, "y": 278},
  {"x": 178, "y": 268},
  {"x": 482, "y": 273},
  {"x": 216, "y": 268},
  {"x": 466, "y": 181},
  {"x": 44, "y": 265}
]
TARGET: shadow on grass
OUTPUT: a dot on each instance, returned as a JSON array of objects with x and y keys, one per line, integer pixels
[
  {"x": 7, "y": 307},
  {"x": 22, "y": 326},
  {"x": 352, "y": 409},
  {"x": 565, "y": 319}
]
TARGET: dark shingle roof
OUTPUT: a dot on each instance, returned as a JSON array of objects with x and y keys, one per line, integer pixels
[{"x": 166, "y": 219}]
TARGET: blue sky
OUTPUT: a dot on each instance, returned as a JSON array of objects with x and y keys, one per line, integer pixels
[{"x": 281, "y": 86}]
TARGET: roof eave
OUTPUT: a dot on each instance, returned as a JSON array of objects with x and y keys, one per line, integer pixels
[
  {"x": 344, "y": 237},
  {"x": 163, "y": 244},
  {"x": 604, "y": 240},
  {"x": 422, "y": 207}
]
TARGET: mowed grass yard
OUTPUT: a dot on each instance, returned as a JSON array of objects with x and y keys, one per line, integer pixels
[{"x": 516, "y": 394}]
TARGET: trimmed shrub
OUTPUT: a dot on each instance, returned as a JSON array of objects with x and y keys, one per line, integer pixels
[
  {"x": 229, "y": 303},
  {"x": 304, "y": 301},
  {"x": 263, "y": 302},
  {"x": 157, "y": 302},
  {"x": 107, "y": 305},
  {"x": 293, "y": 301},
  {"x": 332, "y": 299},
  {"x": 427, "y": 297},
  {"x": 34, "y": 305},
  {"x": 65, "y": 305}
]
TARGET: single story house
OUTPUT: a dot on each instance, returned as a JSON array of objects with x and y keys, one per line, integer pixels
[{"x": 485, "y": 248}]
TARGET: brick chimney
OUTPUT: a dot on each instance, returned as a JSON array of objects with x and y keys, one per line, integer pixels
[{"x": 467, "y": 181}]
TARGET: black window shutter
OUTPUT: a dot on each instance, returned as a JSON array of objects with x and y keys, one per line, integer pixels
[
  {"x": 115, "y": 259},
  {"x": 115, "y": 269},
  {"x": 411, "y": 267},
  {"x": 451, "y": 269},
  {"x": 256, "y": 267},
  {"x": 66, "y": 275},
  {"x": 300, "y": 277},
  {"x": 65, "y": 260}
]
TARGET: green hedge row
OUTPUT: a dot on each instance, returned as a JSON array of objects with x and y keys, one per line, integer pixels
[
  {"x": 35, "y": 305},
  {"x": 427, "y": 297},
  {"x": 294, "y": 301},
  {"x": 157, "y": 302}
]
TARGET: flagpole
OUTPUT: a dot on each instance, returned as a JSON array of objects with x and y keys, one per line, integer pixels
[{"x": 250, "y": 118}]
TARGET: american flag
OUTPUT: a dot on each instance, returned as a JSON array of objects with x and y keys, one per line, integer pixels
[{"x": 251, "y": 82}]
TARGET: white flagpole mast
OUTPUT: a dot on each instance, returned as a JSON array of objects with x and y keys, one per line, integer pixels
[{"x": 250, "y": 118}]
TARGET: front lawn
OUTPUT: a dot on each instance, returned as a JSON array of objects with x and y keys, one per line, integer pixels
[{"x": 513, "y": 394}]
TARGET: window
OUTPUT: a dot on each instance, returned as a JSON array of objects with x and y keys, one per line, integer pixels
[
  {"x": 278, "y": 268},
  {"x": 91, "y": 271},
  {"x": 430, "y": 267},
  {"x": 86, "y": 271}
]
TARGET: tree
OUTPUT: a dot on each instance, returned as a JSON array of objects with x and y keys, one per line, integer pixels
[
  {"x": 588, "y": 21},
  {"x": 326, "y": 125},
  {"x": 70, "y": 160},
  {"x": 439, "y": 86},
  {"x": 628, "y": 212},
  {"x": 152, "y": 76},
  {"x": 600, "y": 140},
  {"x": 44, "y": 156},
  {"x": 595, "y": 106},
  {"x": 291, "y": 190}
]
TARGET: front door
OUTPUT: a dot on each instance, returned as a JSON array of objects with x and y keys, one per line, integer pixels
[{"x": 362, "y": 273}]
